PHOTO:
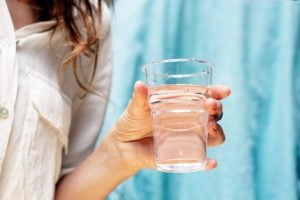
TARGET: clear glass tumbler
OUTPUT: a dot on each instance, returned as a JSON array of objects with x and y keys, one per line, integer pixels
[{"x": 178, "y": 89}]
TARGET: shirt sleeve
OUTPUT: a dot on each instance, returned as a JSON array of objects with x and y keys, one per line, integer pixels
[{"x": 89, "y": 112}]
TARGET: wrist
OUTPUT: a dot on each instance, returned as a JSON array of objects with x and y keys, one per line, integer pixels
[{"x": 117, "y": 156}]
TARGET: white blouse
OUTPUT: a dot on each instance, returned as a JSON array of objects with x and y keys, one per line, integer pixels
[{"x": 46, "y": 129}]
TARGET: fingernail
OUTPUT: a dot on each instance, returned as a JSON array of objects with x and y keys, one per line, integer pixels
[{"x": 136, "y": 83}]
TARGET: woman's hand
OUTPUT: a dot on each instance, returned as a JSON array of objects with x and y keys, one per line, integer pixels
[
  {"x": 132, "y": 134},
  {"x": 128, "y": 147}
]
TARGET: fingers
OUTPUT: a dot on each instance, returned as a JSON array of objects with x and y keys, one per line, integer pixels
[
  {"x": 219, "y": 91},
  {"x": 216, "y": 135},
  {"x": 211, "y": 164},
  {"x": 213, "y": 107}
]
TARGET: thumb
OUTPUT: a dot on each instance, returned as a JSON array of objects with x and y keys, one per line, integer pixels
[
  {"x": 138, "y": 106},
  {"x": 135, "y": 122}
]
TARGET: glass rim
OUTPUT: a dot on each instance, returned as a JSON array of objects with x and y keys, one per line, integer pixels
[{"x": 178, "y": 60}]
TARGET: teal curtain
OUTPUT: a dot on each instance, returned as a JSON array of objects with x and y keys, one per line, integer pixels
[{"x": 255, "y": 45}]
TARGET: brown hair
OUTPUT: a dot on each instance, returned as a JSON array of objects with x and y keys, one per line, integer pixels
[{"x": 86, "y": 43}]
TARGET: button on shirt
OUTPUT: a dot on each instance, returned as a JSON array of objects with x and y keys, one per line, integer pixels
[
  {"x": 3, "y": 113},
  {"x": 46, "y": 128}
]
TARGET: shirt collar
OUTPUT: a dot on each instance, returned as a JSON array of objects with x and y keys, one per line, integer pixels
[{"x": 38, "y": 27}]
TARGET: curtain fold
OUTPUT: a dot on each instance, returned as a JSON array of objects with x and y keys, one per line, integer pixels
[{"x": 256, "y": 48}]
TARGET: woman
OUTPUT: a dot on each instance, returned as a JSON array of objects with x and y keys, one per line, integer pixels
[{"x": 54, "y": 83}]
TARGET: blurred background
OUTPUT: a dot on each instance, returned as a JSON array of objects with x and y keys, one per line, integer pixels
[{"x": 255, "y": 45}]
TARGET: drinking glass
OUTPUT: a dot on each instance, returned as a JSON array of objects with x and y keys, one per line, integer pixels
[{"x": 178, "y": 89}]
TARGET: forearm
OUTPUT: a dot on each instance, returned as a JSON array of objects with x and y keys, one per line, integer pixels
[{"x": 96, "y": 177}]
